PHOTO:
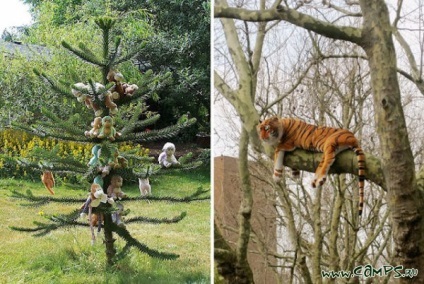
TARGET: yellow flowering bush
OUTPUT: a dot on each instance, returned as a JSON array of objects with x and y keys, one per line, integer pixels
[{"x": 19, "y": 144}]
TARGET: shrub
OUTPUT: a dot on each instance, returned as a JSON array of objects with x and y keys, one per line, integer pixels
[{"x": 18, "y": 144}]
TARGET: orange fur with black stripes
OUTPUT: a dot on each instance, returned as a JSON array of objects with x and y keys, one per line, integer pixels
[{"x": 287, "y": 134}]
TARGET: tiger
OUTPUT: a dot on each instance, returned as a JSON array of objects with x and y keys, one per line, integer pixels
[{"x": 287, "y": 134}]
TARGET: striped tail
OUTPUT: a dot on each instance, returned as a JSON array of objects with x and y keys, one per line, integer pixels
[{"x": 361, "y": 174}]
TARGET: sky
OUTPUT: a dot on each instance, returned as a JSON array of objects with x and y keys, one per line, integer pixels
[{"x": 13, "y": 13}]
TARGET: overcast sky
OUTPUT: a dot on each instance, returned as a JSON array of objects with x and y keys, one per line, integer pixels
[{"x": 13, "y": 13}]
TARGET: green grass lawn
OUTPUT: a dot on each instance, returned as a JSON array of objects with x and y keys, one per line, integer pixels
[{"x": 66, "y": 255}]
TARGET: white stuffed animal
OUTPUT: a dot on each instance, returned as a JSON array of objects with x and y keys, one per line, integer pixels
[
  {"x": 167, "y": 158},
  {"x": 144, "y": 186},
  {"x": 117, "y": 216}
]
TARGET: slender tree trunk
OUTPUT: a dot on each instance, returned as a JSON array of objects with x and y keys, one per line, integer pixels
[
  {"x": 317, "y": 247},
  {"x": 243, "y": 271},
  {"x": 109, "y": 239}
]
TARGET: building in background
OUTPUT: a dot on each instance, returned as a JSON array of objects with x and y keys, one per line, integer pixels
[{"x": 227, "y": 198}]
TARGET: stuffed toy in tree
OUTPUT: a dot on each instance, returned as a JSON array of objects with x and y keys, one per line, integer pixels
[
  {"x": 106, "y": 161},
  {"x": 144, "y": 186},
  {"x": 95, "y": 130},
  {"x": 96, "y": 197},
  {"x": 129, "y": 90},
  {"x": 117, "y": 78},
  {"x": 95, "y": 151},
  {"x": 107, "y": 130},
  {"x": 113, "y": 108},
  {"x": 48, "y": 181},
  {"x": 167, "y": 157},
  {"x": 117, "y": 216},
  {"x": 115, "y": 188}
]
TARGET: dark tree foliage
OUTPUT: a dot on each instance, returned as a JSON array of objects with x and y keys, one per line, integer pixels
[{"x": 181, "y": 44}]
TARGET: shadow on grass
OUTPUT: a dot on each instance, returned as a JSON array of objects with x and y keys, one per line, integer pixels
[
  {"x": 82, "y": 266},
  {"x": 153, "y": 277}
]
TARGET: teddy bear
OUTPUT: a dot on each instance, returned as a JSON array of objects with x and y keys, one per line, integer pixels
[
  {"x": 98, "y": 196},
  {"x": 107, "y": 130},
  {"x": 167, "y": 157},
  {"x": 114, "y": 190},
  {"x": 94, "y": 131}
]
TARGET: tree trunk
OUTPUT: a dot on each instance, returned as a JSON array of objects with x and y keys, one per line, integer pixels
[
  {"x": 403, "y": 197},
  {"x": 243, "y": 271},
  {"x": 109, "y": 240}
]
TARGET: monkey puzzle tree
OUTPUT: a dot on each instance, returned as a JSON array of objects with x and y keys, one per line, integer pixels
[{"x": 120, "y": 114}]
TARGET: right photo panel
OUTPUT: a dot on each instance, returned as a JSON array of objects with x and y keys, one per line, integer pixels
[{"x": 318, "y": 141}]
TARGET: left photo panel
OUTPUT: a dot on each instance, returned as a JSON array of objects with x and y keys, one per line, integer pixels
[{"x": 105, "y": 141}]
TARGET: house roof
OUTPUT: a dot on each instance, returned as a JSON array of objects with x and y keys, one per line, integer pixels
[{"x": 28, "y": 50}]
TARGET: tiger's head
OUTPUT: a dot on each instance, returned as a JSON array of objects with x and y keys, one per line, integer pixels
[{"x": 270, "y": 131}]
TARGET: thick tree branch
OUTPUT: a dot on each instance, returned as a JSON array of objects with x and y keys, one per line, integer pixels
[
  {"x": 222, "y": 87},
  {"x": 346, "y": 162},
  {"x": 294, "y": 17}
]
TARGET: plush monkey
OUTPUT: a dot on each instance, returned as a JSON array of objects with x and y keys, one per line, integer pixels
[
  {"x": 113, "y": 108},
  {"x": 96, "y": 125},
  {"x": 94, "y": 161},
  {"x": 167, "y": 158},
  {"x": 107, "y": 130},
  {"x": 116, "y": 78},
  {"x": 81, "y": 92},
  {"x": 96, "y": 197},
  {"x": 114, "y": 190},
  {"x": 48, "y": 181}
]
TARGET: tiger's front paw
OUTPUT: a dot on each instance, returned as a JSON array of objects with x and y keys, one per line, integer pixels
[
  {"x": 276, "y": 178},
  {"x": 278, "y": 174},
  {"x": 319, "y": 181}
]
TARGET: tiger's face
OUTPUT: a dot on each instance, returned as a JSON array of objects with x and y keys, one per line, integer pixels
[{"x": 269, "y": 131}]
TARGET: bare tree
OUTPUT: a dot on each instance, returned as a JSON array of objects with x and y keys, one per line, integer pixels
[{"x": 394, "y": 170}]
